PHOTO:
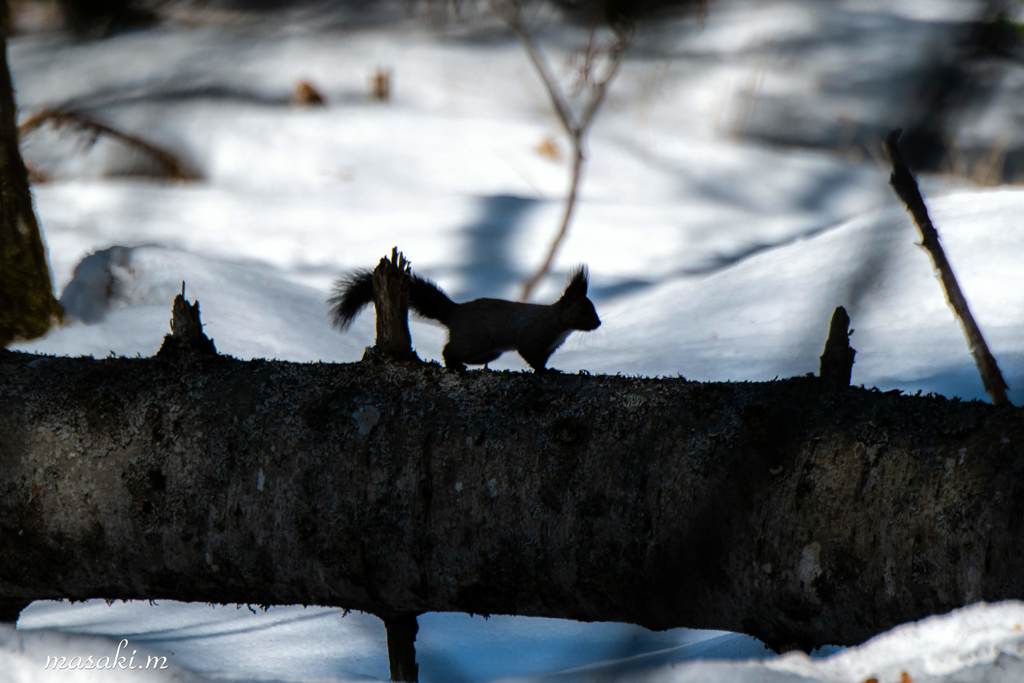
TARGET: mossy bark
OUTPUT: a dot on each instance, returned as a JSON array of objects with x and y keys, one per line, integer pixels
[{"x": 27, "y": 305}]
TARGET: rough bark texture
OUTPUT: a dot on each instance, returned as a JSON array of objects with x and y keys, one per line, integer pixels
[
  {"x": 27, "y": 305},
  {"x": 391, "y": 304},
  {"x": 799, "y": 515}
]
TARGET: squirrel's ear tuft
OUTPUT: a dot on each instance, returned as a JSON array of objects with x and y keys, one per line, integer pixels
[{"x": 577, "y": 287}]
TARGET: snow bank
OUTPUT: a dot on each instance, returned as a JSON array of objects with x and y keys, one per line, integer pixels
[{"x": 983, "y": 643}]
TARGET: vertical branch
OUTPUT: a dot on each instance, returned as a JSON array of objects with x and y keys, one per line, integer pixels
[
  {"x": 402, "y": 629},
  {"x": 563, "y": 228},
  {"x": 391, "y": 300},
  {"x": 903, "y": 182}
]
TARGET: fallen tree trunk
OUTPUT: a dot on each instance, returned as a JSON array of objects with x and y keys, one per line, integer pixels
[{"x": 795, "y": 514}]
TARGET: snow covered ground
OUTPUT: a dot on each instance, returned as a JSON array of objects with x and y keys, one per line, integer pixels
[
  {"x": 711, "y": 256},
  {"x": 977, "y": 644}
]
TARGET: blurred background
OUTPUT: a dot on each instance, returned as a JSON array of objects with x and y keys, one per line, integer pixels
[
  {"x": 231, "y": 142},
  {"x": 731, "y": 191}
]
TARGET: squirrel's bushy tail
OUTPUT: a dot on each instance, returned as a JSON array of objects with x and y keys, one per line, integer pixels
[
  {"x": 355, "y": 290},
  {"x": 429, "y": 300},
  {"x": 349, "y": 295}
]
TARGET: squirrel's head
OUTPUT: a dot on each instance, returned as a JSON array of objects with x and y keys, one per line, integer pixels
[{"x": 577, "y": 311}]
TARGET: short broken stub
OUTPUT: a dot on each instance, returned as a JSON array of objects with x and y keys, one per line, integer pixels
[
  {"x": 186, "y": 337},
  {"x": 391, "y": 301},
  {"x": 836, "y": 368}
]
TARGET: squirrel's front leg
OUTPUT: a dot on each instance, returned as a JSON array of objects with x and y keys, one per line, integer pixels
[{"x": 537, "y": 360}]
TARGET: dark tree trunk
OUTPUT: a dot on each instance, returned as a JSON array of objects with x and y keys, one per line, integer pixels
[
  {"x": 27, "y": 306},
  {"x": 796, "y": 514}
]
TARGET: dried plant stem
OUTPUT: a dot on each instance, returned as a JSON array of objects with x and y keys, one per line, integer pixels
[
  {"x": 903, "y": 182},
  {"x": 172, "y": 166}
]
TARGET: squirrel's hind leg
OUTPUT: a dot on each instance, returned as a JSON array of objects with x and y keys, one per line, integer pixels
[{"x": 451, "y": 360}]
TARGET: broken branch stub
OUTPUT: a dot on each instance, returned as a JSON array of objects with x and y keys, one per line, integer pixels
[
  {"x": 187, "y": 336},
  {"x": 391, "y": 301},
  {"x": 837, "y": 359}
]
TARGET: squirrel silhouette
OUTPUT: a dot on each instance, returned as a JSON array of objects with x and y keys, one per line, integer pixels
[{"x": 481, "y": 330}]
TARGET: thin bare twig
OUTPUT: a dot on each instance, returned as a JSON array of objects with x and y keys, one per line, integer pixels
[
  {"x": 558, "y": 100},
  {"x": 173, "y": 167},
  {"x": 575, "y": 129},
  {"x": 903, "y": 182},
  {"x": 590, "y": 54},
  {"x": 563, "y": 229},
  {"x": 601, "y": 87}
]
